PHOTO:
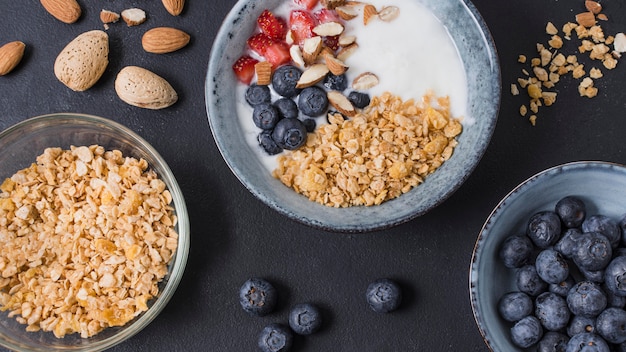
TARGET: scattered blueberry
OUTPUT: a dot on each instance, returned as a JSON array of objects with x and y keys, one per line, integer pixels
[
  {"x": 571, "y": 210},
  {"x": 586, "y": 299},
  {"x": 267, "y": 143},
  {"x": 587, "y": 342},
  {"x": 528, "y": 281},
  {"x": 256, "y": 95},
  {"x": 358, "y": 99},
  {"x": 284, "y": 81},
  {"x": 552, "y": 342},
  {"x": 526, "y": 332},
  {"x": 309, "y": 124},
  {"x": 563, "y": 287},
  {"x": 275, "y": 338},
  {"x": 568, "y": 242},
  {"x": 514, "y": 306},
  {"x": 551, "y": 310},
  {"x": 615, "y": 276},
  {"x": 551, "y": 266},
  {"x": 516, "y": 250},
  {"x": 580, "y": 324},
  {"x": 544, "y": 229},
  {"x": 604, "y": 225},
  {"x": 287, "y": 108},
  {"x": 313, "y": 101},
  {"x": 305, "y": 319},
  {"x": 265, "y": 116},
  {"x": 289, "y": 134},
  {"x": 593, "y": 252},
  {"x": 596, "y": 276},
  {"x": 611, "y": 325},
  {"x": 257, "y": 297},
  {"x": 613, "y": 300},
  {"x": 334, "y": 82},
  {"x": 383, "y": 295}
]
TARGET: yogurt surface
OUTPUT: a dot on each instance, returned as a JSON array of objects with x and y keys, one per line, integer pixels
[{"x": 411, "y": 55}]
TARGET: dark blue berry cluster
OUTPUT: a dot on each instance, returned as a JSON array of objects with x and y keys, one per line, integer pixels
[
  {"x": 570, "y": 272},
  {"x": 285, "y": 122}
]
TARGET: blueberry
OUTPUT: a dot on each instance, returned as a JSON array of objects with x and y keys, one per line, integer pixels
[
  {"x": 305, "y": 319},
  {"x": 580, "y": 324},
  {"x": 604, "y": 225},
  {"x": 615, "y": 276},
  {"x": 267, "y": 143},
  {"x": 514, "y": 306},
  {"x": 552, "y": 342},
  {"x": 571, "y": 210},
  {"x": 313, "y": 101},
  {"x": 587, "y": 299},
  {"x": 284, "y": 81},
  {"x": 551, "y": 310},
  {"x": 563, "y": 287},
  {"x": 257, "y": 297},
  {"x": 309, "y": 124},
  {"x": 593, "y": 252},
  {"x": 265, "y": 116},
  {"x": 568, "y": 242},
  {"x": 613, "y": 300},
  {"x": 358, "y": 99},
  {"x": 289, "y": 134},
  {"x": 526, "y": 332},
  {"x": 383, "y": 295},
  {"x": 551, "y": 266},
  {"x": 528, "y": 281},
  {"x": 611, "y": 325},
  {"x": 622, "y": 226},
  {"x": 516, "y": 250},
  {"x": 256, "y": 95},
  {"x": 587, "y": 342},
  {"x": 287, "y": 108},
  {"x": 596, "y": 276},
  {"x": 334, "y": 82},
  {"x": 544, "y": 229},
  {"x": 275, "y": 338}
]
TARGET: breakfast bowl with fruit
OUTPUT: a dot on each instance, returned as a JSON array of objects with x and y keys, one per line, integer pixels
[
  {"x": 352, "y": 116},
  {"x": 548, "y": 268}
]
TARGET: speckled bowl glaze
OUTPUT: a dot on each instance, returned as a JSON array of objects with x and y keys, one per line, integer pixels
[
  {"x": 478, "y": 53},
  {"x": 601, "y": 185}
]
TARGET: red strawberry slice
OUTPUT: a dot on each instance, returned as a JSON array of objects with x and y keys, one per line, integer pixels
[
  {"x": 301, "y": 24},
  {"x": 307, "y": 4},
  {"x": 259, "y": 42},
  {"x": 272, "y": 26},
  {"x": 244, "y": 68},
  {"x": 277, "y": 54},
  {"x": 324, "y": 15}
]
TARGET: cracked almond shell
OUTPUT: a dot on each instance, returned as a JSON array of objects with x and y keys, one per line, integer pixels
[
  {"x": 140, "y": 87},
  {"x": 83, "y": 60}
]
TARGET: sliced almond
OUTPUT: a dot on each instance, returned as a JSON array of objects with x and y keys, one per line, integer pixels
[
  {"x": 620, "y": 42},
  {"x": 289, "y": 37},
  {"x": 345, "y": 40},
  {"x": 328, "y": 29},
  {"x": 369, "y": 13},
  {"x": 346, "y": 12},
  {"x": 312, "y": 75},
  {"x": 134, "y": 16},
  {"x": 365, "y": 81},
  {"x": 341, "y": 103},
  {"x": 332, "y": 4},
  {"x": 311, "y": 48},
  {"x": 593, "y": 7},
  {"x": 586, "y": 19},
  {"x": 345, "y": 52},
  {"x": 336, "y": 66},
  {"x": 389, "y": 13},
  {"x": 296, "y": 55},
  {"x": 263, "y": 70},
  {"x": 602, "y": 17},
  {"x": 107, "y": 16}
]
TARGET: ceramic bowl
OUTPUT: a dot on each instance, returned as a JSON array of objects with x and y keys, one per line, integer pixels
[
  {"x": 601, "y": 185},
  {"x": 19, "y": 146},
  {"x": 477, "y": 51}
]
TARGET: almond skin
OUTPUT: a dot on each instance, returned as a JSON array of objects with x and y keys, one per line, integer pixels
[
  {"x": 163, "y": 40},
  {"x": 83, "y": 60},
  {"x": 143, "y": 88},
  {"x": 67, "y": 11},
  {"x": 174, "y": 7},
  {"x": 10, "y": 55}
]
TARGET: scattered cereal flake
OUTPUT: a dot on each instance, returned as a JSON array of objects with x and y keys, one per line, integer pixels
[
  {"x": 534, "y": 91},
  {"x": 523, "y": 110},
  {"x": 533, "y": 119},
  {"x": 521, "y": 59},
  {"x": 514, "y": 89},
  {"x": 556, "y": 42},
  {"x": 551, "y": 29},
  {"x": 595, "y": 73}
]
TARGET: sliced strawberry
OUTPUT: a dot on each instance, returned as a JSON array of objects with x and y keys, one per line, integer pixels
[
  {"x": 244, "y": 68},
  {"x": 259, "y": 42},
  {"x": 272, "y": 26},
  {"x": 301, "y": 24},
  {"x": 278, "y": 54},
  {"x": 324, "y": 15},
  {"x": 307, "y": 4}
]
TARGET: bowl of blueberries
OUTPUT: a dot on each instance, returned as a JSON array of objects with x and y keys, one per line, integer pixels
[{"x": 548, "y": 271}]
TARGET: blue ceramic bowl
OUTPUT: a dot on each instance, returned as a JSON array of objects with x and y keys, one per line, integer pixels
[
  {"x": 601, "y": 185},
  {"x": 478, "y": 53}
]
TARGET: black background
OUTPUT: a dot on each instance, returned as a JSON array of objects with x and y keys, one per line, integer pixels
[{"x": 235, "y": 236}]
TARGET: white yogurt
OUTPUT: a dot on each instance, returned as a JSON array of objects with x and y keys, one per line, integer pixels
[{"x": 411, "y": 55}]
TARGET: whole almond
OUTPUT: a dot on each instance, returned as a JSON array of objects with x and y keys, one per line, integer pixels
[
  {"x": 10, "y": 55},
  {"x": 161, "y": 40},
  {"x": 83, "y": 60},
  {"x": 67, "y": 11},
  {"x": 174, "y": 7},
  {"x": 143, "y": 88}
]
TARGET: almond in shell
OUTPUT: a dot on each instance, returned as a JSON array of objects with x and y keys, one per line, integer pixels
[
  {"x": 143, "y": 88},
  {"x": 83, "y": 60},
  {"x": 10, "y": 55},
  {"x": 161, "y": 40},
  {"x": 67, "y": 11},
  {"x": 174, "y": 7}
]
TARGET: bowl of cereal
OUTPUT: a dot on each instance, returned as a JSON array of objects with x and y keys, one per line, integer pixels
[
  {"x": 95, "y": 234},
  {"x": 545, "y": 260},
  {"x": 326, "y": 113}
]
